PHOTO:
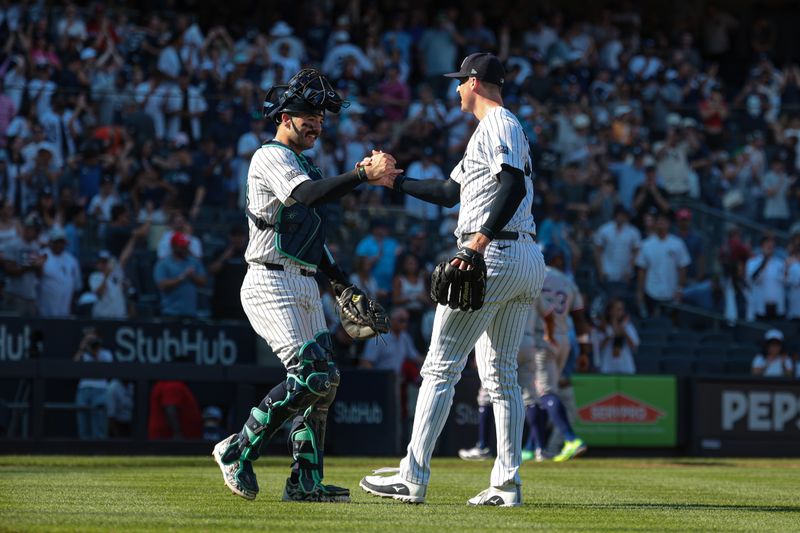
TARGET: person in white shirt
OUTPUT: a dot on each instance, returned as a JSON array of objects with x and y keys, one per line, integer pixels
[
  {"x": 662, "y": 262},
  {"x": 396, "y": 348},
  {"x": 91, "y": 395},
  {"x": 616, "y": 244},
  {"x": 248, "y": 143},
  {"x": 793, "y": 284},
  {"x": 425, "y": 168},
  {"x": 184, "y": 115},
  {"x": 616, "y": 341},
  {"x": 101, "y": 203},
  {"x": 765, "y": 274},
  {"x": 774, "y": 362},
  {"x": 61, "y": 278}
]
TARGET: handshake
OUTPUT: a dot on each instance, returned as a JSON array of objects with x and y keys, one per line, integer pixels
[{"x": 379, "y": 169}]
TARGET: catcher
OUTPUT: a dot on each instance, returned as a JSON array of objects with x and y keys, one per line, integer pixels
[{"x": 286, "y": 198}]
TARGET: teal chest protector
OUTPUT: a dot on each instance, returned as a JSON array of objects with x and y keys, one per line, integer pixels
[{"x": 299, "y": 229}]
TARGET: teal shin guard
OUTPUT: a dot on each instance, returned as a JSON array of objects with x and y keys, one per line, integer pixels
[{"x": 308, "y": 439}]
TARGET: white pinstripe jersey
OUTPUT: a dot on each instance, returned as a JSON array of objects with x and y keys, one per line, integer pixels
[
  {"x": 274, "y": 172},
  {"x": 497, "y": 140}
]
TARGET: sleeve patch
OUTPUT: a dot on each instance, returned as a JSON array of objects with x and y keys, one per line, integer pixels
[
  {"x": 292, "y": 174},
  {"x": 500, "y": 150}
]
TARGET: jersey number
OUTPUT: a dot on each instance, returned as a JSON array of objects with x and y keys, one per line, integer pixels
[{"x": 559, "y": 299}]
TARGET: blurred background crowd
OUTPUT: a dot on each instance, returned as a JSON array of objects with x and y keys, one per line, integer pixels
[{"x": 665, "y": 149}]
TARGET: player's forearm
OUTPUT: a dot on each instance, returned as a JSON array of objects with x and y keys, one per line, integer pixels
[
  {"x": 505, "y": 204},
  {"x": 445, "y": 193},
  {"x": 315, "y": 192}
]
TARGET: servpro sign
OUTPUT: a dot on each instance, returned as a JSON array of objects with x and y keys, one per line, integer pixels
[
  {"x": 626, "y": 410},
  {"x": 619, "y": 408}
]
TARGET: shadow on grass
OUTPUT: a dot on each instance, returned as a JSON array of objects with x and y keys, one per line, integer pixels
[
  {"x": 674, "y": 507},
  {"x": 703, "y": 463}
]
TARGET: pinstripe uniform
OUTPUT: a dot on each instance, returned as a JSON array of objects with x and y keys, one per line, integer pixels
[
  {"x": 515, "y": 272},
  {"x": 283, "y": 306},
  {"x": 561, "y": 297}
]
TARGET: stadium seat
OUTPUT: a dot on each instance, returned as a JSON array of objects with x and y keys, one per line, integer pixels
[
  {"x": 717, "y": 337},
  {"x": 710, "y": 368},
  {"x": 680, "y": 366},
  {"x": 713, "y": 352},
  {"x": 738, "y": 367},
  {"x": 647, "y": 365}
]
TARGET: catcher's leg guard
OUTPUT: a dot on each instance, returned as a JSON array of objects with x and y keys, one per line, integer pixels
[{"x": 308, "y": 381}]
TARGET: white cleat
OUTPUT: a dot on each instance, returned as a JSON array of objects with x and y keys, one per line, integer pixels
[
  {"x": 393, "y": 486},
  {"x": 475, "y": 454},
  {"x": 506, "y": 496}
]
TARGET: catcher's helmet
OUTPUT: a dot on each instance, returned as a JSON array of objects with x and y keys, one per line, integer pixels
[{"x": 307, "y": 92}]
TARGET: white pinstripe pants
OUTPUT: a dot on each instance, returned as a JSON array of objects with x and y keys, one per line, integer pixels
[
  {"x": 515, "y": 277},
  {"x": 283, "y": 307}
]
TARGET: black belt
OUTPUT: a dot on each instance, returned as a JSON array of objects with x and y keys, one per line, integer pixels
[
  {"x": 275, "y": 266},
  {"x": 499, "y": 236}
]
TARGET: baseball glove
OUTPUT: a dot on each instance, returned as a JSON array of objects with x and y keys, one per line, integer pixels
[
  {"x": 460, "y": 289},
  {"x": 361, "y": 317}
]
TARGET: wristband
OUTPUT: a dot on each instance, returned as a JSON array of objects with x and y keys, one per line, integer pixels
[
  {"x": 486, "y": 231},
  {"x": 583, "y": 339},
  {"x": 362, "y": 173}
]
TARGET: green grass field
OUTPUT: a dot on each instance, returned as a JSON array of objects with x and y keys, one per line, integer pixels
[{"x": 186, "y": 494}]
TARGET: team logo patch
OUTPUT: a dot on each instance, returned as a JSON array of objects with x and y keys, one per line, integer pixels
[
  {"x": 500, "y": 150},
  {"x": 292, "y": 174}
]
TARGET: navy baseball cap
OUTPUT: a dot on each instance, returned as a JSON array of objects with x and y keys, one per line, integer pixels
[{"x": 483, "y": 66}]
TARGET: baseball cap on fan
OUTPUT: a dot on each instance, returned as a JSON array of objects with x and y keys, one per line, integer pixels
[{"x": 483, "y": 66}]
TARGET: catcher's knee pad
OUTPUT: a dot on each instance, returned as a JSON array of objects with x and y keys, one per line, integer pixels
[{"x": 310, "y": 371}]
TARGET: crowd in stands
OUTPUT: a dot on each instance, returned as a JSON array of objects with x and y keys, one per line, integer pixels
[{"x": 125, "y": 139}]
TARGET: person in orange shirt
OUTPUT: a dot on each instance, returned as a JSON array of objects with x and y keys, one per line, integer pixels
[{"x": 174, "y": 412}]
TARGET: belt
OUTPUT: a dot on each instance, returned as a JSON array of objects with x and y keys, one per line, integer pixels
[
  {"x": 500, "y": 235},
  {"x": 275, "y": 266}
]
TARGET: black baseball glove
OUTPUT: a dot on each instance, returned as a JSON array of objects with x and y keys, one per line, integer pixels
[
  {"x": 460, "y": 289},
  {"x": 361, "y": 317}
]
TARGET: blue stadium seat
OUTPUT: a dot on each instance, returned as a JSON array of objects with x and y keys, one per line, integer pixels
[
  {"x": 681, "y": 366},
  {"x": 710, "y": 368}
]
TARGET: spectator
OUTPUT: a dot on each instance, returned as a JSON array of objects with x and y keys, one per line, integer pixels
[
  {"x": 673, "y": 163},
  {"x": 228, "y": 270},
  {"x": 425, "y": 168},
  {"x": 178, "y": 276},
  {"x": 22, "y": 262},
  {"x": 91, "y": 397},
  {"x": 662, "y": 261},
  {"x": 396, "y": 348},
  {"x": 774, "y": 362},
  {"x": 60, "y": 279},
  {"x": 793, "y": 283},
  {"x": 363, "y": 278},
  {"x": 438, "y": 48},
  {"x": 649, "y": 195},
  {"x": 696, "y": 271},
  {"x": 630, "y": 175},
  {"x": 120, "y": 408},
  {"x": 101, "y": 203},
  {"x": 10, "y": 230},
  {"x": 395, "y": 95},
  {"x": 410, "y": 289},
  {"x": 765, "y": 274},
  {"x": 212, "y": 424},
  {"x": 617, "y": 243},
  {"x": 775, "y": 189},
  {"x": 381, "y": 252},
  {"x": 174, "y": 412},
  {"x": 178, "y": 224},
  {"x": 108, "y": 281},
  {"x": 616, "y": 341}
]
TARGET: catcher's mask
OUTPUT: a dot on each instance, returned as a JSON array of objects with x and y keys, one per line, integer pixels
[{"x": 307, "y": 92}]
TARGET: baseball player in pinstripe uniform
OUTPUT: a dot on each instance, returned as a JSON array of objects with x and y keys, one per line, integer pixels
[
  {"x": 286, "y": 197},
  {"x": 494, "y": 184}
]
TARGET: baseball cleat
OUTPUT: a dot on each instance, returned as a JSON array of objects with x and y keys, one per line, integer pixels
[
  {"x": 238, "y": 475},
  {"x": 475, "y": 454},
  {"x": 393, "y": 486},
  {"x": 572, "y": 449},
  {"x": 506, "y": 496},
  {"x": 294, "y": 492},
  {"x": 536, "y": 456}
]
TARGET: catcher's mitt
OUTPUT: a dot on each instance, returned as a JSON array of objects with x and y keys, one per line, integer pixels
[
  {"x": 362, "y": 317},
  {"x": 460, "y": 289}
]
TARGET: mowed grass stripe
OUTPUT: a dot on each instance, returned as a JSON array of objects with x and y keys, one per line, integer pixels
[{"x": 64, "y": 493}]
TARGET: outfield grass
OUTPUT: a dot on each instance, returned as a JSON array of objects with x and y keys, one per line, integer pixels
[{"x": 187, "y": 494}]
